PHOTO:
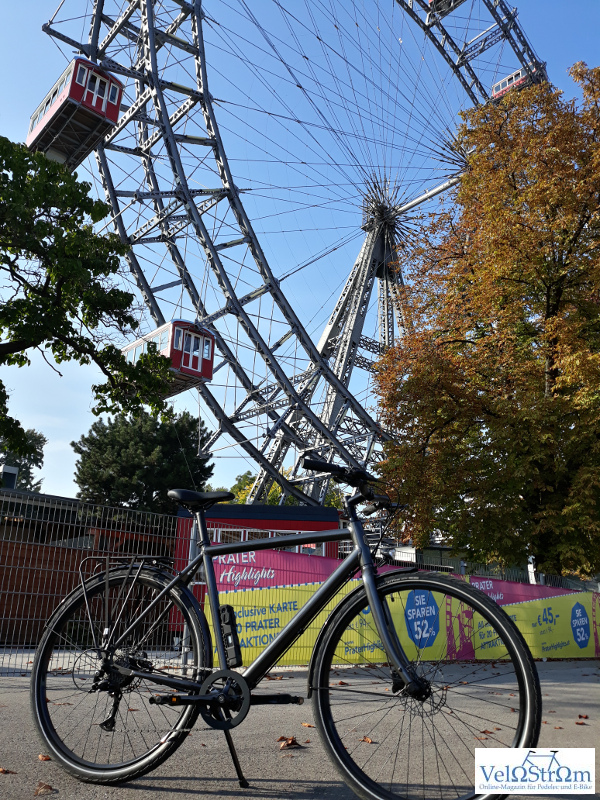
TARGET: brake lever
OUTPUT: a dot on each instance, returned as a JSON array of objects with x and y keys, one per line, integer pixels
[{"x": 378, "y": 502}]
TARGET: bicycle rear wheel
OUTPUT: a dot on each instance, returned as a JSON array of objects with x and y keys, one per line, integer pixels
[
  {"x": 484, "y": 690},
  {"x": 112, "y": 733}
]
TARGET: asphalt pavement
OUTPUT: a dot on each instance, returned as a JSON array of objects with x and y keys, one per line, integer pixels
[{"x": 202, "y": 768}]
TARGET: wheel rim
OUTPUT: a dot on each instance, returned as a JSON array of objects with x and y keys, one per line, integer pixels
[
  {"x": 390, "y": 745},
  {"x": 86, "y": 727},
  {"x": 326, "y": 112}
]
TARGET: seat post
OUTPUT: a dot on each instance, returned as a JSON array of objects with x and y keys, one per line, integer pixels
[
  {"x": 211, "y": 588},
  {"x": 201, "y": 526}
]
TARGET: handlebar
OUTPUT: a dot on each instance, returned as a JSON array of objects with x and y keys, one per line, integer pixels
[
  {"x": 324, "y": 466},
  {"x": 359, "y": 478}
]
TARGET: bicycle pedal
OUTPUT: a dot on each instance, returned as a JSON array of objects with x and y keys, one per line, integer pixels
[
  {"x": 169, "y": 699},
  {"x": 178, "y": 699}
]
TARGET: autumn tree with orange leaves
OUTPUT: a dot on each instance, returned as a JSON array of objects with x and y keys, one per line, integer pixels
[{"x": 494, "y": 398}]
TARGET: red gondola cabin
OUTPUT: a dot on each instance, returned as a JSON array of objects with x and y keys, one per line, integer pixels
[
  {"x": 520, "y": 78},
  {"x": 76, "y": 113},
  {"x": 190, "y": 347}
]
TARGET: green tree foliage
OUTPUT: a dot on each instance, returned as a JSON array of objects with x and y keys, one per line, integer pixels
[
  {"x": 34, "y": 459},
  {"x": 58, "y": 291},
  {"x": 495, "y": 395},
  {"x": 133, "y": 461},
  {"x": 243, "y": 485}
]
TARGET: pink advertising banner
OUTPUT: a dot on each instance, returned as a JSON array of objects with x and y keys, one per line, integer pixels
[
  {"x": 265, "y": 569},
  {"x": 507, "y": 592}
]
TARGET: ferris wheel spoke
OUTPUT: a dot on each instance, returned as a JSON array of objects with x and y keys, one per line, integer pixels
[{"x": 233, "y": 431}]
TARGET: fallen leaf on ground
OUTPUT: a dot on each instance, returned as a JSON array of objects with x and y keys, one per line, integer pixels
[
  {"x": 307, "y": 725},
  {"x": 274, "y": 677},
  {"x": 133, "y": 709},
  {"x": 513, "y": 710},
  {"x": 367, "y": 739},
  {"x": 290, "y": 741},
  {"x": 307, "y": 741},
  {"x": 583, "y": 716},
  {"x": 558, "y": 727},
  {"x": 486, "y": 731},
  {"x": 6, "y": 771},
  {"x": 343, "y": 683},
  {"x": 481, "y": 738},
  {"x": 42, "y": 789},
  {"x": 581, "y": 723},
  {"x": 44, "y": 757}
]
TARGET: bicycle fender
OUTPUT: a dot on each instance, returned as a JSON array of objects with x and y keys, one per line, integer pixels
[
  {"x": 201, "y": 616},
  {"x": 339, "y": 609},
  {"x": 181, "y": 588}
]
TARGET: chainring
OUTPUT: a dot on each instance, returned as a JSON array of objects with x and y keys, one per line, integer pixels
[{"x": 231, "y": 703}]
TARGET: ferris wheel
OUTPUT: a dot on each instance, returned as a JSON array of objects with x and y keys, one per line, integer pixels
[{"x": 268, "y": 161}]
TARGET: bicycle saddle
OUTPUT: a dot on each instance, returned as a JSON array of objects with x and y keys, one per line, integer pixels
[{"x": 197, "y": 501}]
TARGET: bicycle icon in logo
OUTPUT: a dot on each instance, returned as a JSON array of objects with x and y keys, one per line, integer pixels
[{"x": 545, "y": 762}]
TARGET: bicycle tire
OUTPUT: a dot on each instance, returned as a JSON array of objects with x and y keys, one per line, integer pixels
[
  {"x": 485, "y": 690},
  {"x": 68, "y": 716}
]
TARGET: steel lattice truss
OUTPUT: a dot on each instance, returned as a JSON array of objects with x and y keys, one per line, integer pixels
[{"x": 180, "y": 188}]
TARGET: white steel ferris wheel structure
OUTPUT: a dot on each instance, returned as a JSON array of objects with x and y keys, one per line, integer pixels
[{"x": 268, "y": 204}]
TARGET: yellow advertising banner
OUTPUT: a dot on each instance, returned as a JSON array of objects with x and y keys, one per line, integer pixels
[
  {"x": 560, "y": 627},
  {"x": 563, "y": 625},
  {"x": 262, "y": 613}
]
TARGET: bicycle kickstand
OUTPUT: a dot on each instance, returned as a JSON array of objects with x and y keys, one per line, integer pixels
[{"x": 236, "y": 762}]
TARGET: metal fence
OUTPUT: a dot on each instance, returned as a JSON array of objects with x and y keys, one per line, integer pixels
[
  {"x": 47, "y": 544},
  {"x": 43, "y": 541}
]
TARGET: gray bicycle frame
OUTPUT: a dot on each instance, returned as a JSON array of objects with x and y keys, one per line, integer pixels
[{"x": 359, "y": 559}]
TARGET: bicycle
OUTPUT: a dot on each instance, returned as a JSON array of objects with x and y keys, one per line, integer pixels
[{"x": 410, "y": 673}]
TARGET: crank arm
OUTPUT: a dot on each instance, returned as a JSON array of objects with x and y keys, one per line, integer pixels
[{"x": 275, "y": 700}]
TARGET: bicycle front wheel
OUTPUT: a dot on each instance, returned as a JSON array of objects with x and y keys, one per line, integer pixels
[
  {"x": 483, "y": 690},
  {"x": 94, "y": 720}
]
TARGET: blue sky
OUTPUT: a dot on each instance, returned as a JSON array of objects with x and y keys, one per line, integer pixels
[{"x": 29, "y": 62}]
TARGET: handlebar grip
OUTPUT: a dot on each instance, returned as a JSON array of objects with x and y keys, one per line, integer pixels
[
  {"x": 383, "y": 500},
  {"x": 324, "y": 466}
]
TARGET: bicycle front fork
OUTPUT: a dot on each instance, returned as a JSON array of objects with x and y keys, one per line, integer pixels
[{"x": 403, "y": 674}]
